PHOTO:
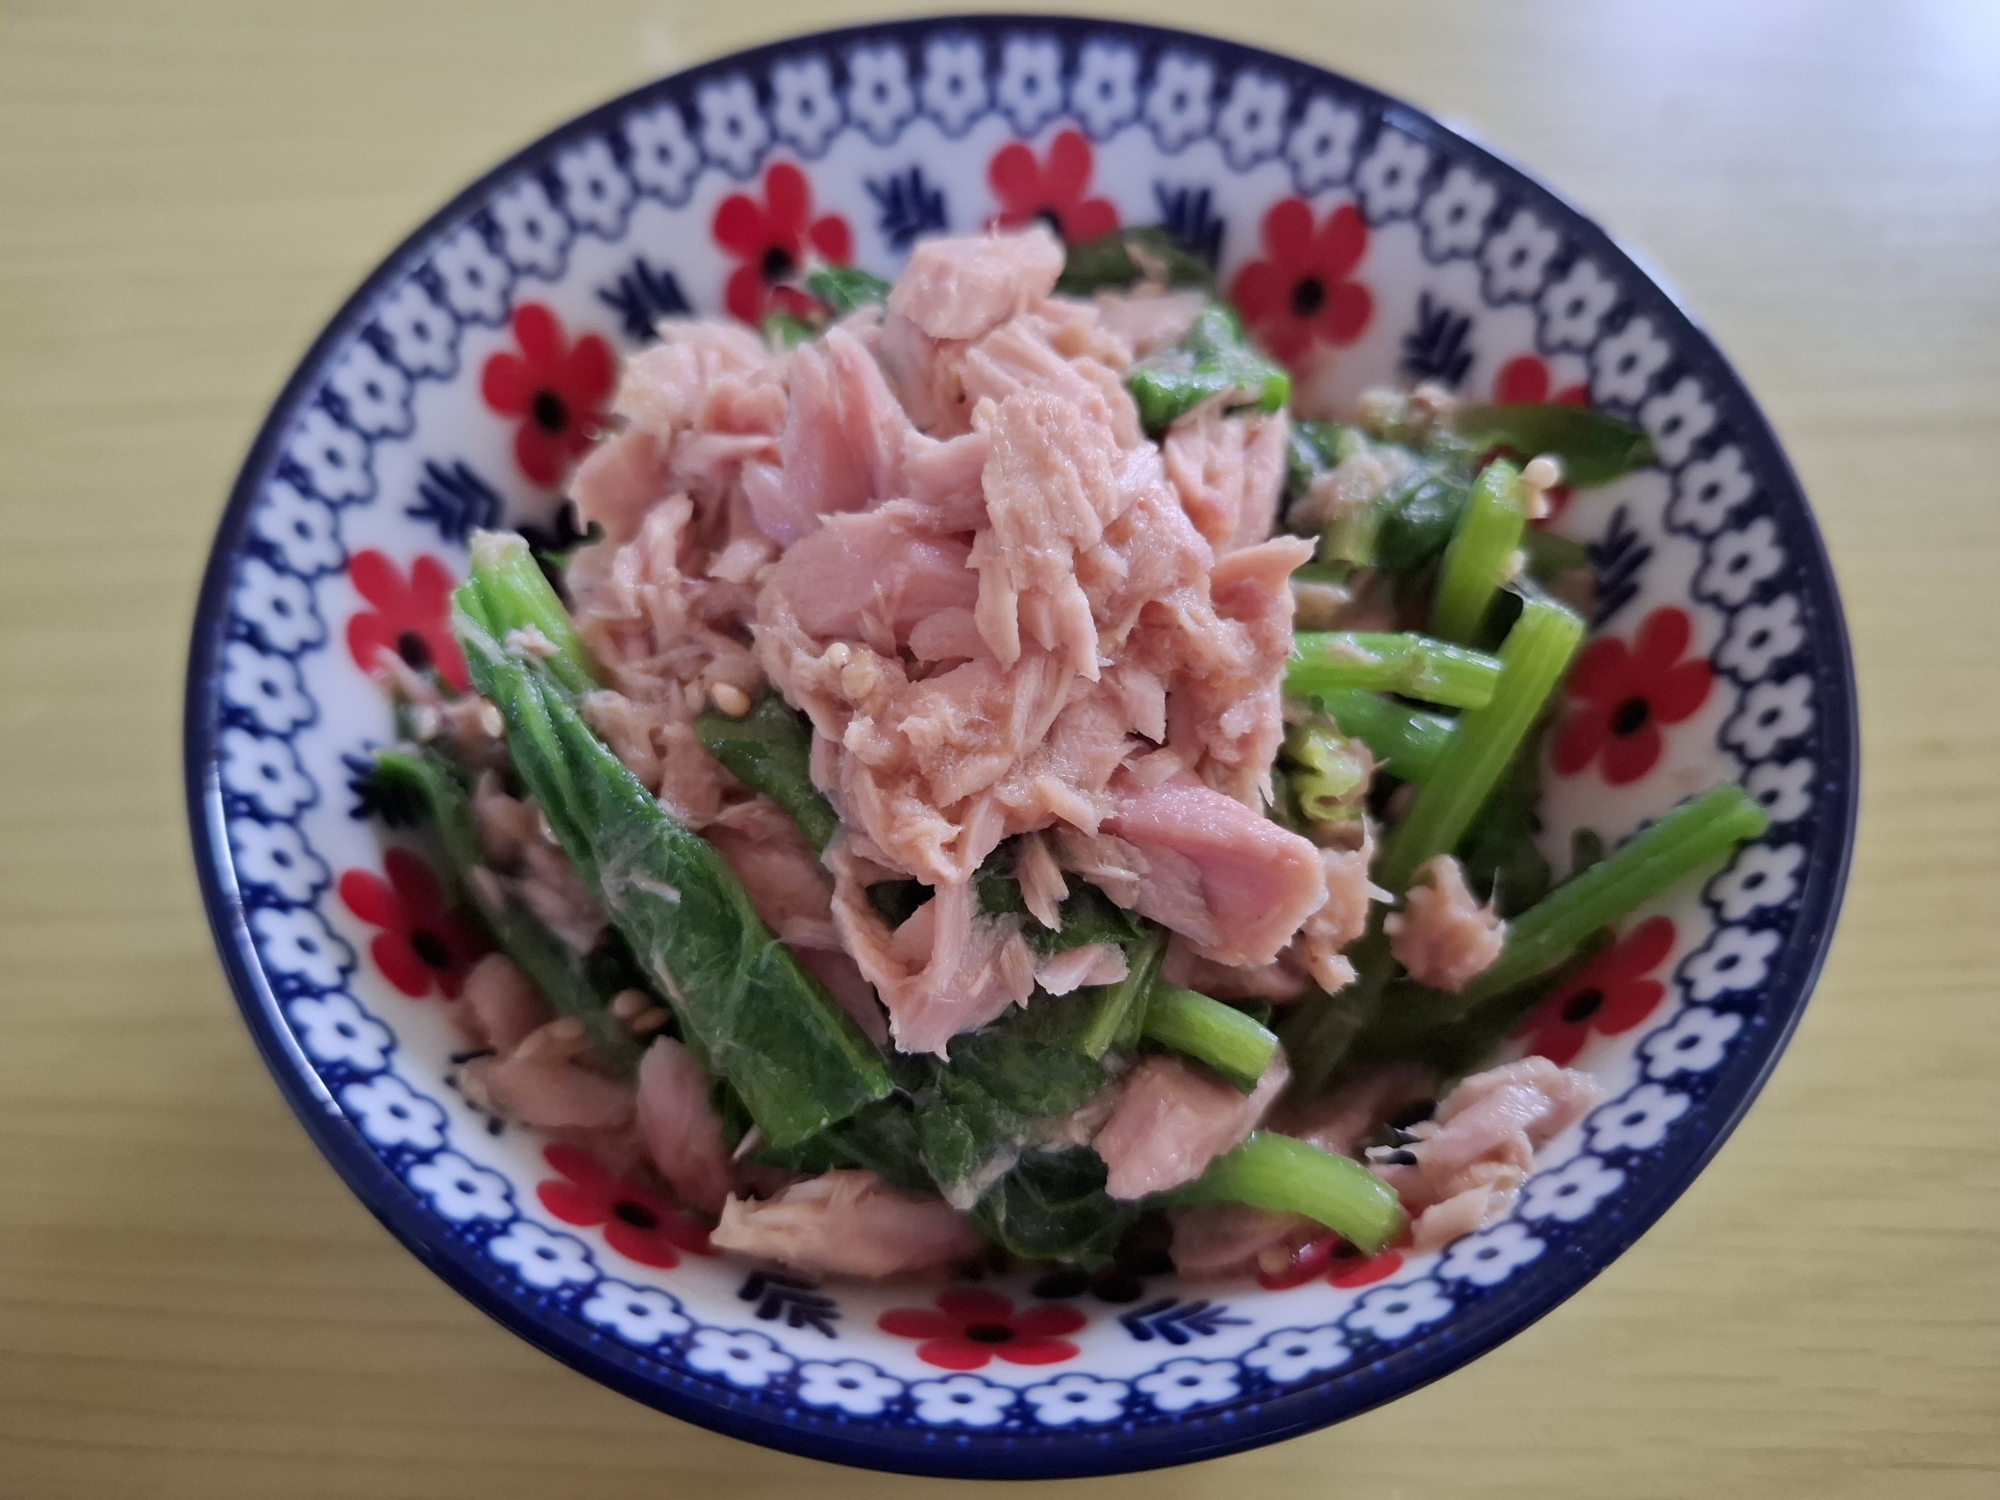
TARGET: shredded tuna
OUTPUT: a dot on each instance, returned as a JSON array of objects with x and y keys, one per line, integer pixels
[
  {"x": 1481, "y": 1144},
  {"x": 1442, "y": 935},
  {"x": 1229, "y": 472},
  {"x": 847, "y": 1223},
  {"x": 551, "y": 1092},
  {"x": 980, "y": 656},
  {"x": 523, "y": 864},
  {"x": 682, "y": 1131},
  {"x": 1344, "y": 915},
  {"x": 662, "y": 628},
  {"x": 1206, "y": 866},
  {"x": 843, "y": 440},
  {"x": 850, "y": 988},
  {"x": 550, "y": 888},
  {"x": 872, "y": 578},
  {"x": 1340, "y": 1121},
  {"x": 1085, "y": 964},
  {"x": 1173, "y": 1118},
  {"x": 962, "y": 288},
  {"x": 1279, "y": 981},
  {"x": 945, "y": 970},
  {"x": 1226, "y": 1239},
  {"x": 1041, "y": 880},
  {"x": 1150, "y": 318},
  {"x": 791, "y": 890},
  {"x": 501, "y": 1005}
]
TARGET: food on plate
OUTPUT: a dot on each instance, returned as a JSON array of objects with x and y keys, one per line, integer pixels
[{"x": 995, "y": 779}]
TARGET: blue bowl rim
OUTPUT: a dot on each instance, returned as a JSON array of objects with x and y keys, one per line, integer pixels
[{"x": 1488, "y": 1324}]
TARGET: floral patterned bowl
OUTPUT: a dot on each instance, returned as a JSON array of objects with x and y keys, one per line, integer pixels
[{"x": 1359, "y": 237}]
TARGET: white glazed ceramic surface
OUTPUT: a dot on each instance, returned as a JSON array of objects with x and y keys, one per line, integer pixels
[{"x": 394, "y": 439}]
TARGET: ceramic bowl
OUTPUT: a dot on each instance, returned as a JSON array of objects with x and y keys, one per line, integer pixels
[{"x": 1722, "y": 655}]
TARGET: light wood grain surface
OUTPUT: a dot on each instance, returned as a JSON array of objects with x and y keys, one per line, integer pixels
[{"x": 194, "y": 1305}]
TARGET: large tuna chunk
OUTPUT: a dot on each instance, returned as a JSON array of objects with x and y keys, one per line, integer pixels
[
  {"x": 682, "y": 1131},
  {"x": 1204, "y": 865},
  {"x": 1473, "y": 1157},
  {"x": 962, "y": 288},
  {"x": 847, "y": 1223},
  {"x": 1173, "y": 1118}
]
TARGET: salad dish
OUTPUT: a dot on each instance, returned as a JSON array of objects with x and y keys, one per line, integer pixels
[{"x": 1017, "y": 748}]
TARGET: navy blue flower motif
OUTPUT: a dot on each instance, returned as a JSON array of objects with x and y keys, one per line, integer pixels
[
  {"x": 1437, "y": 348},
  {"x": 800, "y": 1304},
  {"x": 910, "y": 206},
  {"x": 1187, "y": 214},
  {"x": 641, "y": 296},
  {"x": 1178, "y": 1322},
  {"x": 1617, "y": 561},
  {"x": 455, "y": 500}
]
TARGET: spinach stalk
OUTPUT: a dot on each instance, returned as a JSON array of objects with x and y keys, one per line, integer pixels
[
  {"x": 794, "y": 1057},
  {"x": 1595, "y": 447},
  {"x": 1416, "y": 666},
  {"x": 769, "y": 750},
  {"x": 1216, "y": 359},
  {"x": 1290, "y": 1176},
  {"x": 1220, "y": 1035},
  {"x": 562, "y": 974},
  {"x": 1480, "y": 554},
  {"x": 1484, "y": 741}
]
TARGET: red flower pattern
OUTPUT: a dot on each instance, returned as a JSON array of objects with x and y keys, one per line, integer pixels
[
  {"x": 1364, "y": 1270},
  {"x": 638, "y": 1224},
  {"x": 411, "y": 617},
  {"x": 1053, "y": 190},
  {"x": 771, "y": 239},
  {"x": 423, "y": 942},
  {"x": 968, "y": 1327},
  {"x": 556, "y": 391},
  {"x": 1525, "y": 380},
  {"x": 1300, "y": 293},
  {"x": 1622, "y": 696},
  {"x": 1611, "y": 993},
  {"x": 1339, "y": 1262}
]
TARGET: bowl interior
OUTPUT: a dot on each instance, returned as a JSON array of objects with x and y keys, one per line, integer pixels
[{"x": 1427, "y": 258}]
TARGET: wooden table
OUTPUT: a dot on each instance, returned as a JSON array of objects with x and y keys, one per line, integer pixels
[{"x": 196, "y": 1307}]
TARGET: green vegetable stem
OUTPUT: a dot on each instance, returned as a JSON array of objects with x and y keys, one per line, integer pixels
[
  {"x": 1216, "y": 359},
  {"x": 1649, "y": 864},
  {"x": 511, "y": 587},
  {"x": 1225, "y": 1038},
  {"x": 1114, "y": 260},
  {"x": 1484, "y": 740},
  {"x": 1480, "y": 556},
  {"x": 1290, "y": 1176},
  {"x": 1595, "y": 447},
  {"x": 562, "y": 974},
  {"x": 1332, "y": 771},
  {"x": 1416, "y": 666},
  {"x": 794, "y": 1057},
  {"x": 1405, "y": 741},
  {"x": 845, "y": 288},
  {"x": 1115, "y": 1013},
  {"x": 769, "y": 750}
]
